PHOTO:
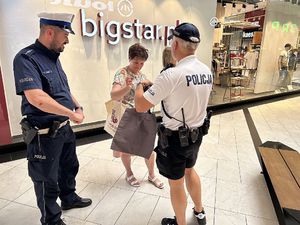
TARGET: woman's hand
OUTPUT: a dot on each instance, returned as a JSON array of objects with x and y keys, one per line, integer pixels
[{"x": 128, "y": 81}]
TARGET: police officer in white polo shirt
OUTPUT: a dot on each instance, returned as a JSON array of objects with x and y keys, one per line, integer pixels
[
  {"x": 184, "y": 93},
  {"x": 47, "y": 107}
]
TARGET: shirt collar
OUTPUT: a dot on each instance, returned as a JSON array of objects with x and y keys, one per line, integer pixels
[
  {"x": 50, "y": 54},
  {"x": 186, "y": 59}
]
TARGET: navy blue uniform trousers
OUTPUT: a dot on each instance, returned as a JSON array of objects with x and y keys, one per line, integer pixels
[{"x": 53, "y": 175}]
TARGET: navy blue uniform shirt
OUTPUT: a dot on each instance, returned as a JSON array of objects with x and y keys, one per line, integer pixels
[{"x": 37, "y": 67}]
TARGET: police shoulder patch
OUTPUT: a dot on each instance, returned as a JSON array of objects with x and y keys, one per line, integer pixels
[{"x": 151, "y": 91}]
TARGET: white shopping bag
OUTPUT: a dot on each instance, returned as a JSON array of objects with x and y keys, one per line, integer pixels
[{"x": 115, "y": 111}]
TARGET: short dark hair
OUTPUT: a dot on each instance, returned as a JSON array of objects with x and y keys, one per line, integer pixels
[
  {"x": 288, "y": 45},
  {"x": 138, "y": 51}
]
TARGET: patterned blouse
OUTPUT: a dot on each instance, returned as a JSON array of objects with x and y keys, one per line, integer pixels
[{"x": 120, "y": 79}]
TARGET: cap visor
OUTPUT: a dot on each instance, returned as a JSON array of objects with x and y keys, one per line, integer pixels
[{"x": 69, "y": 30}]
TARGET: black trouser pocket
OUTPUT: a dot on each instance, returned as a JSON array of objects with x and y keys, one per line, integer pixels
[
  {"x": 162, "y": 160},
  {"x": 35, "y": 150}
]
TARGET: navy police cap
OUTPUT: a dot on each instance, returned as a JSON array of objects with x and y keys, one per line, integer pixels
[
  {"x": 61, "y": 20},
  {"x": 187, "y": 32}
]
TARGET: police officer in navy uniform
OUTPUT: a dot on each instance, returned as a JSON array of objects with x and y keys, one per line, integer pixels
[
  {"x": 183, "y": 92},
  {"x": 47, "y": 107}
]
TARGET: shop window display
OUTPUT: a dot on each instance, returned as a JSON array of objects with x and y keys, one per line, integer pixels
[{"x": 249, "y": 57}]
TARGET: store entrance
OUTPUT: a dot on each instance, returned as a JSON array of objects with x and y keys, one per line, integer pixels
[{"x": 247, "y": 50}]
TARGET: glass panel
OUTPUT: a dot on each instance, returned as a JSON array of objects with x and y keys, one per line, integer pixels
[{"x": 256, "y": 50}]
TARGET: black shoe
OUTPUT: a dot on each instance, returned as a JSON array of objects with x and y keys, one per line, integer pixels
[
  {"x": 60, "y": 223},
  {"x": 169, "y": 221},
  {"x": 201, "y": 217},
  {"x": 78, "y": 203}
]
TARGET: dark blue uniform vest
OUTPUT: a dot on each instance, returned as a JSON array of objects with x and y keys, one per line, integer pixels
[{"x": 36, "y": 67}]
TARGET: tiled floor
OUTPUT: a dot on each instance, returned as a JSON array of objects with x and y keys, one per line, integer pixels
[{"x": 234, "y": 191}]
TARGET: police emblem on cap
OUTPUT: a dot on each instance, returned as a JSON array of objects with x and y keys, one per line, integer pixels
[
  {"x": 186, "y": 31},
  {"x": 61, "y": 20},
  {"x": 194, "y": 39}
]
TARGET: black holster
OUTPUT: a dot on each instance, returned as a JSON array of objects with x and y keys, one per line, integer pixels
[
  {"x": 54, "y": 129},
  {"x": 206, "y": 124},
  {"x": 28, "y": 131}
]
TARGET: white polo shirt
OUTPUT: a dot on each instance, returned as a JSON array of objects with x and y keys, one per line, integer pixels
[{"x": 187, "y": 86}]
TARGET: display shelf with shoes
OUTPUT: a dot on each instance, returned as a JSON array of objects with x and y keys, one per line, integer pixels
[{"x": 235, "y": 88}]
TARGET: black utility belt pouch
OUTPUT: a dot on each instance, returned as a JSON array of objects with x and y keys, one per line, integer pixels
[
  {"x": 163, "y": 134},
  {"x": 183, "y": 134},
  {"x": 188, "y": 136},
  {"x": 28, "y": 131},
  {"x": 194, "y": 134}
]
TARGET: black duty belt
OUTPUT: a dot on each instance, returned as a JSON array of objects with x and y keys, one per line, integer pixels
[{"x": 46, "y": 130}]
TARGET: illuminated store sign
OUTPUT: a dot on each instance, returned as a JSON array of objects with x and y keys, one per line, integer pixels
[
  {"x": 115, "y": 30},
  {"x": 286, "y": 27},
  {"x": 248, "y": 34}
]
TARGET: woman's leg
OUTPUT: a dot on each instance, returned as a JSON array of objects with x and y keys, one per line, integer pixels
[
  {"x": 150, "y": 165},
  {"x": 126, "y": 160},
  {"x": 151, "y": 177}
]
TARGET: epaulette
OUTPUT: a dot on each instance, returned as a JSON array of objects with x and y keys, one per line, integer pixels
[{"x": 29, "y": 52}]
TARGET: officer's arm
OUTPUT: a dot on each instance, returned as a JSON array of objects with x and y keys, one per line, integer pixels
[
  {"x": 45, "y": 103},
  {"x": 141, "y": 104}
]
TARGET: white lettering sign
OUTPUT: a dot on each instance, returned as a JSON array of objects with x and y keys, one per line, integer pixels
[{"x": 114, "y": 30}]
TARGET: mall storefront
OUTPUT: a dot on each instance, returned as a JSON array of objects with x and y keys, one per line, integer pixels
[
  {"x": 249, "y": 57},
  {"x": 242, "y": 41}
]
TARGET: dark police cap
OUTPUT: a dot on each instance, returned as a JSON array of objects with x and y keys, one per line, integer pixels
[
  {"x": 61, "y": 20},
  {"x": 187, "y": 32}
]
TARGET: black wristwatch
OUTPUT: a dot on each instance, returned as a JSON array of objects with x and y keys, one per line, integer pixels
[{"x": 79, "y": 107}]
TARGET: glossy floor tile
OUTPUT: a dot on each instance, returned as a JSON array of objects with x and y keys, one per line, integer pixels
[{"x": 234, "y": 191}]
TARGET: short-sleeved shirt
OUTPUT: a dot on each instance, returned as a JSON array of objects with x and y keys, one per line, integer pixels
[
  {"x": 284, "y": 59},
  {"x": 188, "y": 86},
  {"x": 120, "y": 77},
  {"x": 37, "y": 67},
  {"x": 251, "y": 59}
]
